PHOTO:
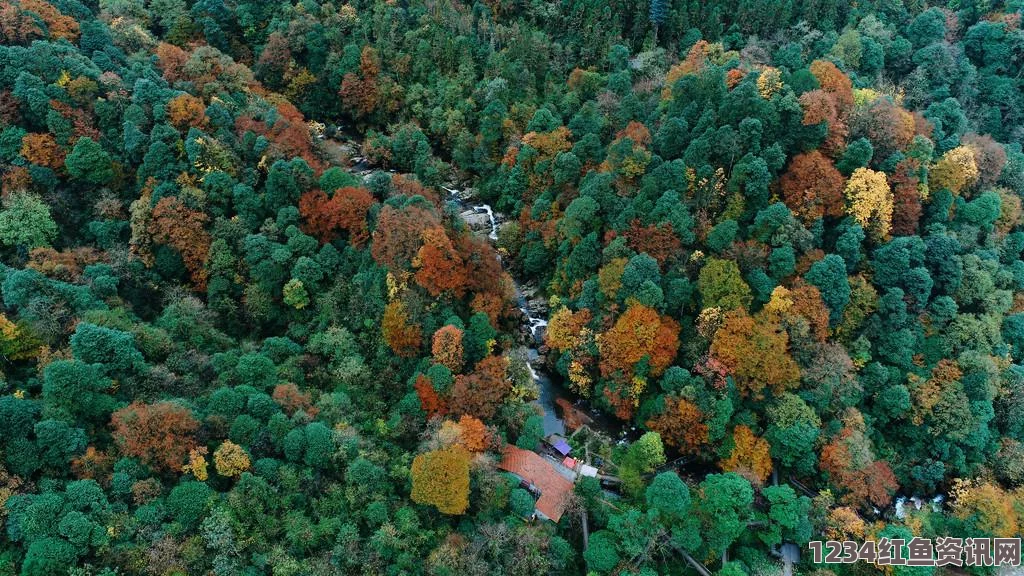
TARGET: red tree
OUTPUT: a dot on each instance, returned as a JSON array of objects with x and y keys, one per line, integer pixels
[
  {"x": 291, "y": 399},
  {"x": 658, "y": 241},
  {"x": 681, "y": 425},
  {"x": 160, "y": 435},
  {"x": 430, "y": 401},
  {"x": 906, "y": 198},
  {"x": 820, "y": 107},
  {"x": 345, "y": 211},
  {"x": 16, "y": 26},
  {"x": 480, "y": 393},
  {"x": 275, "y": 61},
  {"x": 440, "y": 268},
  {"x": 850, "y": 463},
  {"x": 172, "y": 60},
  {"x": 359, "y": 91},
  {"x": 399, "y": 235},
  {"x": 182, "y": 228},
  {"x": 812, "y": 187}
]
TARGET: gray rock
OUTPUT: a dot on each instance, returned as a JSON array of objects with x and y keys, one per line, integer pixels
[{"x": 477, "y": 221}]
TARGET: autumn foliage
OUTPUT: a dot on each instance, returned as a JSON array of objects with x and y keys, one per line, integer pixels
[
  {"x": 481, "y": 392},
  {"x": 955, "y": 171},
  {"x": 59, "y": 25},
  {"x": 344, "y": 211},
  {"x": 755, "y": 351},
  {"x": 186, "y": 111},
  {"x": 182, "y": 228},
  {"x": 441, "y": 479},
  {"x": 230, "y": 459},
  {"x": 812, "y": 187},
  {"x": 658, "y": 241},
  {"x": 870, "y": 201},
  {"x": 161, "y": 435},
  {"x": 403, "y": 337},
  {"x": 439, "y": 267},
  {"x": 638, "y": 334},
  {"x": 750, "y": 455},
  {"x": 291, "y": 399},
  {"x": 565, "y": 328},
  {"x": 851, "y": 464},
  {"x": 399, "y": 235},
  {"x": 906, "y": 198},
  {"x": 42, "y": 149},
  {"x": 430, "y": 401},
  {"x": 359, "y": 92},
  {"x": 681, "y": 425},
  {"x": 446, "y": 347}
]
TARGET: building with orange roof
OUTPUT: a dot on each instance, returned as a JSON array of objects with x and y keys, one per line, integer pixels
[{"x": 554, "y": 488}]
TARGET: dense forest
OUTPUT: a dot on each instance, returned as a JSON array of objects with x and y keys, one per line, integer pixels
[{"x": 779, "y": 242}]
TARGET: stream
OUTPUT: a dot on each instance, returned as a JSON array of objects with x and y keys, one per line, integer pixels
[
  {"x": 535, "y": 323},
  {"x": 548, "y": 391},
  {"x": 480, "y": 216}
]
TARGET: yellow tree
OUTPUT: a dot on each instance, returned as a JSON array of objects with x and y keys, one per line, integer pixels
[
  {"x": 869, "y": 201},
  {"x": 402, "y": 336},
  {"x": 985, "y": 507},
  {"x": 230, "y": 459},
  {"x": 197, "y": 464},
  {"x": 565, "y": 328},
  {"x": 755, "y": 351},
  {"x": 955, "y": 171},
  {"x": 441, "y": 479},
  {"x": 750, "y": 455}
]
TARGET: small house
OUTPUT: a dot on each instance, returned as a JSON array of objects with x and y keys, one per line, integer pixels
[{"x": 554, "y": 488}]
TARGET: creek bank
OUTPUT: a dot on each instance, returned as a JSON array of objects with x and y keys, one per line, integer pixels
[
  {"x": 553, "y": 398},
  {"x": 345, "y": 150}
]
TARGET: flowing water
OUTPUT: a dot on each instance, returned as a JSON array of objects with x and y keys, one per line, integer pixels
[
  {"x": 535, "y": 321},
  {"x": 549, "y": 391}
]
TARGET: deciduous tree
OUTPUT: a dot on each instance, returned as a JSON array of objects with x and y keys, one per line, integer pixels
[
  {"x": 640, "y": 333},
  {"x": 182, "y": 228},
  {"x": 401, "y": 335},
  {"x": 446, "y": 347},
  {"x": 812, "y": 187},
  {"x": 441, "y": 479},
  {"x": 750, "y": 456},
  {"x": 160, "y": 435},
  {"x": 681, "y": 425},
  {"x": 755, "y": 350},
  {"x": 230, "y": 459},
  {"x": 870, "y": 201}
]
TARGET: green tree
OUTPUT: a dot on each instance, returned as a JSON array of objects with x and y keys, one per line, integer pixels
[
  {"x": 669, "y": 497},
  {"x": 601, "y": 555},
  {"x": 89, "y": 163},
  {"x": 724, "y": 506},
  {"x": 74, "y": 389},
  {"x": 720, "y": 284},
  {"x": 787, "y": 517},
  {"x": 25, "y": 221},
  {"x": 793, "y": 429},
  {"x": 113, "y": 349},
  {"x": 829, "y": 275}
]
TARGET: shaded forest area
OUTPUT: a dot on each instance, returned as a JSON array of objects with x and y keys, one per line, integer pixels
[{"x": 778, "y": 237}]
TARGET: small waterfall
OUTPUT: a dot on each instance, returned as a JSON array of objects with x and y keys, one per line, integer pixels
[{"x": 490, "y": 215}]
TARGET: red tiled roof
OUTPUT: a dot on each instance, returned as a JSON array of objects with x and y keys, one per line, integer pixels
[{"x": 554, "y": 488}]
